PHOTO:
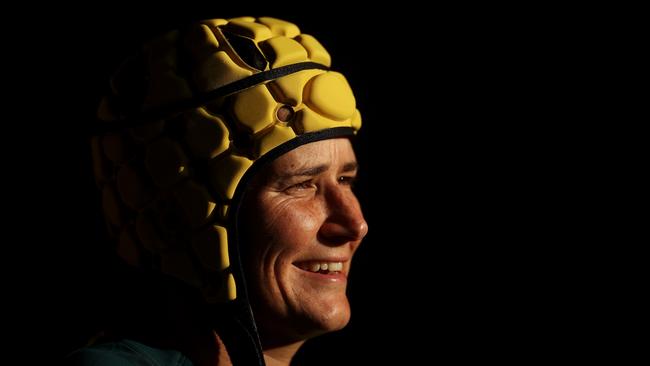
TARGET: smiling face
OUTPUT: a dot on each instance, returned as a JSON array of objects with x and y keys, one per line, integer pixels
[{"x": 302, "y": 224}]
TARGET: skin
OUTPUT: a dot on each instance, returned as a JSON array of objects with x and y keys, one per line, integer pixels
[{"x": 303, "y": 210}]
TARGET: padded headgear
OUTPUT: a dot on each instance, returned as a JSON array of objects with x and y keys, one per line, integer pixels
[{"x": 185, "y": 122}]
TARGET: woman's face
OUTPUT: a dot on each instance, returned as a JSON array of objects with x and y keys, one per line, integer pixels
[{"x": 302, "y": 224}]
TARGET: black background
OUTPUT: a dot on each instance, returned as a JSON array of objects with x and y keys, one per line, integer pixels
[{"x": 465, "y": 253}]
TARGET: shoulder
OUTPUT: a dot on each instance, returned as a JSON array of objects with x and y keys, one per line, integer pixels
[{"x": 127, "y": 353}]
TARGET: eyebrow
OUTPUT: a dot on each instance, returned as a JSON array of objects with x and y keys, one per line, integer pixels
[
  {"x": 313, "y": 171},
  {"x": 350, "y": 167}
]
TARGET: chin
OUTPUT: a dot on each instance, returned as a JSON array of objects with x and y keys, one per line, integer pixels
[
  {"x": 313, "y": 320},
  {"x": 327, "y": 318}
]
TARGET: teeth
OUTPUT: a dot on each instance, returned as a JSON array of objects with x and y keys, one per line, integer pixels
[
  {"x": 336, "y": 266},
  {"x": 324, "y": 266}
]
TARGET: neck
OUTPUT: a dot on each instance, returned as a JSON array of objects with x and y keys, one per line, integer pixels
[
  {"x": 208, "y": 350},
  {"x": 281, "y": 355}
]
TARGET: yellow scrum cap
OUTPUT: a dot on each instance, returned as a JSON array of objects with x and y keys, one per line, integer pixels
[{"x": 183, "y": 124}]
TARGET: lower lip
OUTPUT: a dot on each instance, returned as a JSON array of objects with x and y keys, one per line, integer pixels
[{"x": 337, "y": 277}]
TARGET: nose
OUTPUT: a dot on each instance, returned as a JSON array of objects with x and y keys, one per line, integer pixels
[{"x": 345, "y": 222}]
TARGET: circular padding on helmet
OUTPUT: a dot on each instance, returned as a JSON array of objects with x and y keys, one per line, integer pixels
[
  {"x": 217, "y": 70},
  {"x": 260, "y": 117},
  {"x": 195, "y": 202},
  {"x": 178, "y": 263},
  {"x": 248, "y": 28},
  {"x": 284, "y": 51},
  {"x": 290, "y": 89},
  {"x": 211, "y": 247},
  {"x": 201, "y": 41},
  {"x": 101, "y": 167},
  {"x": 330, "y": 95},
  {"x": 117, "y": 148},
  {"x": 221, "y": 287},
  {"x": 112, "y": 206},
  {"x": 133, "y": 187},
  {"x": 147, "y": 132},
  {"x": 356, "y": 120},
  {"x": 309, "y": 121},
  {"x": 206, "y": 135},
  {"x": 225, "y": 174},
  {"x": 315, "y": 51},
  {"x": 276, "y": 136},
  {"x": 127, "y": 247},
  {"x": 280, "y": 27},
  {"x": 166, "y": 162},
  {"x": 162, "y": 60},
  {"x": 147, "y": 231}
]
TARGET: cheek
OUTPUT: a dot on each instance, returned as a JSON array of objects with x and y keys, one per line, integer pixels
[
  {"x": 282, "y": 231},
  {"x": 293, "y": 223}
]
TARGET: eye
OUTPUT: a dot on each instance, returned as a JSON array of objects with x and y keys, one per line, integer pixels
[
  {"x": 347, "y": 180},
  {"x": 304, "y": 185}
]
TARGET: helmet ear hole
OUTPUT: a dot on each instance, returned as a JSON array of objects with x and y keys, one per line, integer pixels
[{"x": 285, "y": 113}]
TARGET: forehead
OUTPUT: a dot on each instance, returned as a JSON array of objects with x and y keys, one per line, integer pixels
[{"x": 331, "y": 152}]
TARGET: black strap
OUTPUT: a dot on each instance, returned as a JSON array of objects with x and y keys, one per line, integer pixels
[{"x": 155, "y": 114}]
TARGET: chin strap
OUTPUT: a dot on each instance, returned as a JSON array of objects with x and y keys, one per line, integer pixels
[{"x": 232, "y": 323}]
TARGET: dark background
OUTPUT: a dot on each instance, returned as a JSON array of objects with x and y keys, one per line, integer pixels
[{"x": 466, "y": 255}]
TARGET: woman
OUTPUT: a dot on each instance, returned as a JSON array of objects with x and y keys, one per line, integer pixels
[{"x": 224, "y": 159}]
